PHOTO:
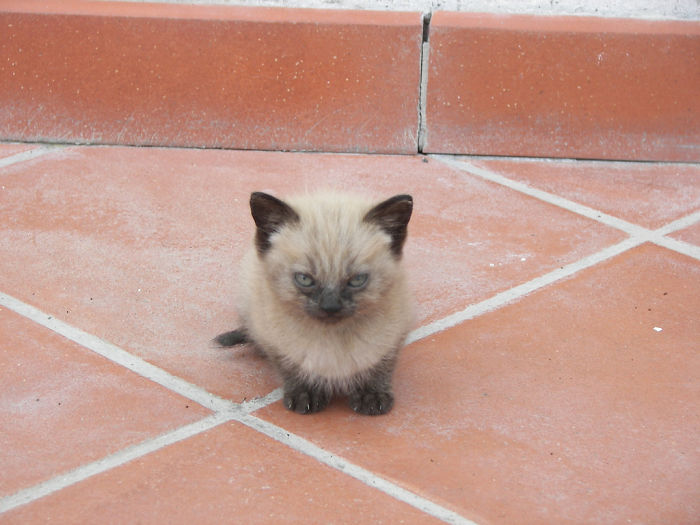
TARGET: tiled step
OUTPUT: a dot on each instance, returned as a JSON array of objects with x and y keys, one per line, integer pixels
[{"x": 294, "y": 79}]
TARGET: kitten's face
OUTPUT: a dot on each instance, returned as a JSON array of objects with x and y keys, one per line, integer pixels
[
  {"x": 331, "y": 277},
  {"x": 333, "y": 257},
  {"x": 330, "y": 302}
]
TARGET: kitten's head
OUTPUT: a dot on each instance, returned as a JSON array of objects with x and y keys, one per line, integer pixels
[{"x": 331, "y": 256}]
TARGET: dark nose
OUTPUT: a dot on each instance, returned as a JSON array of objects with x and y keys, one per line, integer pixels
[{"x": 330, "y": 302}]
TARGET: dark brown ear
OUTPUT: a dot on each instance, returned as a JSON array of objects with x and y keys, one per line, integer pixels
[
  {"x": 392, "y": 216},
  {"x": 269, "y": 214}
]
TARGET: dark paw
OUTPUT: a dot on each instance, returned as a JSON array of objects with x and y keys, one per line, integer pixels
[
  {"x": 372, "y": 403},
  {"x": 306, "y": 401}
]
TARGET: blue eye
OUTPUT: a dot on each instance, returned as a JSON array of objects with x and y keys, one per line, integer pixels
[
  {"x": 358, "y": 281},
  {"x": 304, "y": 280}
]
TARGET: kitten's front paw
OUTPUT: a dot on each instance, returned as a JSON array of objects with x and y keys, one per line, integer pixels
[
  {"x": 306, "y": 401},
  {"x": 372, "y": 403}
]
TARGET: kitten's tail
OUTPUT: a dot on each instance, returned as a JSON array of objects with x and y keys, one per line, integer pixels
[{"x": 233, "y": 338}]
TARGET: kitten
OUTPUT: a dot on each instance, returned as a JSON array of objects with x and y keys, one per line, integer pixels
[{"x": 325, "y": 298}]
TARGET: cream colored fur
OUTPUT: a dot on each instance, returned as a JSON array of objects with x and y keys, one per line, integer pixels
[{"x": 331, "y": 242}]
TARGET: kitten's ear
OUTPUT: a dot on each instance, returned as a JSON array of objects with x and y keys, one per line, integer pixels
[
  {"x": 269, "y": 214},
  {"x": 392, "y": 216}
]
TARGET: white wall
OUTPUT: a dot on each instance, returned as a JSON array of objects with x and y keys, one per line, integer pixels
[{"x": 649, "y": 9}]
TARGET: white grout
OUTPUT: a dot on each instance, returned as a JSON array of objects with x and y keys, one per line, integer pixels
[
  {"x": 678, "y": 246},
  {"x": 224, "y": 411},
  {"x": 109, "y": 462},
  {"x": 550, "y": 198},
  {"x": 252, "y": 405},
  {"x": 27, "y": 155},
  {"x": 118, "y": 355},
  {"x": 679, "y": 224},
  {"x": 367, "y": 477},
  {"x": 640, "y": 233},
  {"x": 517, "y": 292},
  {"x": 227, "y": 411}
]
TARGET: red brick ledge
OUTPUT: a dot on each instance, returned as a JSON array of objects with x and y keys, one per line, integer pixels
[
  {"x": 209, "y": 76},
  {"x": 332, "y": 80},
  {"x": 563, "y": 87}
]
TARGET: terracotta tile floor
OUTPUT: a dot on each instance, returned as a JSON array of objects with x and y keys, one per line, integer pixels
[{"x": 553, "y": 375}]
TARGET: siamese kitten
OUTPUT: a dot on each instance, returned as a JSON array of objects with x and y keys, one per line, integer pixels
[{"x": 325, "y": 298}]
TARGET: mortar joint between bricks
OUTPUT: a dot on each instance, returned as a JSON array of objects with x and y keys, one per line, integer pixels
[{"x": 423, "y": 82}]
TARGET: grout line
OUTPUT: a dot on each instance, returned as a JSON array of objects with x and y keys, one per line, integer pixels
[
  {"x": 657, "y": 236},
  {"x": 117, "y": 459},
  {"x": 517, "y": 292},
  {"x": 365, "y": 476},
  {"x": 224, "y": 411},
  {"x": 27, "y": 155},
  {"x": 679, "y": 224},
  {"x": 228, "y": 411},
  {"x": 261, "y": 402},
  {"x": 550, "y": 198},
  {"x": 570, "y": 160},
  {"x": 678, "y": 246},
  {"x": 423, "y": 83},
  {"x": 638, "y": 235},
  {"x": 119, "y": 356}
]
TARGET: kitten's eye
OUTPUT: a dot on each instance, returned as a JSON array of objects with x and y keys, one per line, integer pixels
[
  {"x": 358, "y": 281},
  {"x": 304, "y": 280}
]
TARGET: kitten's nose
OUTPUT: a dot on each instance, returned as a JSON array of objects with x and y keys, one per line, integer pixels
[{"x": 330, "y": 302}]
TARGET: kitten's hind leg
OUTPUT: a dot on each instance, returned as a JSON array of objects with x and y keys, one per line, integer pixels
[
  {"x": 233, "y": 338},
  {"x": 373, "y": 396}
]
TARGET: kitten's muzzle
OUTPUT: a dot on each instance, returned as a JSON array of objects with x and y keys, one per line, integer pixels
[
  {"x": 330, "y": 302},
  {"x": 329, "y": 307}
]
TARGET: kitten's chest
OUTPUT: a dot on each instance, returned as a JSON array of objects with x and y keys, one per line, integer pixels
[{"x": 336, "y": 354}]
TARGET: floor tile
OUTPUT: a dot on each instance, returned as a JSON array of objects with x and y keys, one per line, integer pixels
[
  {"x": 574, "y": 87},
  {"x": 210, "y": 76},
  {"x": 8, "y": 149},
  {"x": 140, "y": 246},
  {"x": 228, "y": 474},
  {"x": 577, "y": 404},
  {"x": 63, "y": 406},
  {"x": 690, "y": 234},
  {"x": 647, "y": 194}
]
